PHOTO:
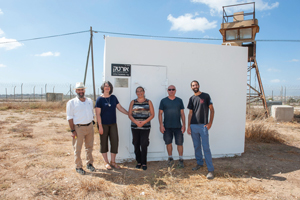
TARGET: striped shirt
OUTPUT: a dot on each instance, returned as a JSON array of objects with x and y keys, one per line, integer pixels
[{"x": 140, "y": 112}]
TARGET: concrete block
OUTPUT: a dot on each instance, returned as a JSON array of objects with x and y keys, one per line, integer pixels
[{"x": 283, "y": 113}]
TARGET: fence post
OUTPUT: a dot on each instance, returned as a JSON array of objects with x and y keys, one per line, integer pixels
[
  {"x": 53, "y": 88},
  {"x": 15, "y": 93},
  {"x": 41, "y": 93},
  {"x": 34, "y": 93},
  {"x": 6, "y": 93},
  {"x": 22, "y": 92}
]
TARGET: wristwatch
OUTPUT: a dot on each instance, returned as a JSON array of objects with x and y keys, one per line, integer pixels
[{"x": 72, "y": 131}]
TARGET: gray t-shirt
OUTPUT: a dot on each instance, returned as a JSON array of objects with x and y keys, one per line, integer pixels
[{"x": 171, "y": 110}]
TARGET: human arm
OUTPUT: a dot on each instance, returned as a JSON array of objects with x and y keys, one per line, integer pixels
[
  {"x": 189, "y": 122},
  {"x": 150, "y": 117},
  {"x": 183, "y": 120},
  {"x": 99, "y": 121},
  {"x": 130, "y": 113},
  {"x": 161, "y": 125},
  {"x": 211, "y": 118},
  {"x": 121, "y": 109},
  {"x": 72, "y": 127}
]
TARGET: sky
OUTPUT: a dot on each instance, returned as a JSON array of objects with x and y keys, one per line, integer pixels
[{"x": 62, "y": 60}]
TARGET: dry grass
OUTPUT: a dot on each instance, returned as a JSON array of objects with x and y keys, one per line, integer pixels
[
  {"x": 33, "y": 105},
  {"x": 260, "y": 131},
  {"x": 43, "y": 167},
  {"x": 255, "y": 113}
]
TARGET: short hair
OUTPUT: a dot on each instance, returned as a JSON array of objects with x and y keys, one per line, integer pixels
[
  {"x": 195, "y": 82},
  {"x": 138, "y": 88},
  {"x": 109, "y": 84}
]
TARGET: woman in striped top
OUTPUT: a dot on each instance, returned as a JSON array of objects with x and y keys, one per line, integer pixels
[{"x": 141, "y": 112}]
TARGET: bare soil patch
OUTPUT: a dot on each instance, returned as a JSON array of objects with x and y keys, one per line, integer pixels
[{"x": 36, "y": 162}]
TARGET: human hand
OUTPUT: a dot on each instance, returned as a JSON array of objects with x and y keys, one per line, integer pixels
[
  {"x": 183, "y": 129},
  {"x": 189, "y": 131},
  {"x": 74, "y": 135},
  {"x": 208, "y": 126},
  {"x": 100, "y": 129},
  {"x": 140, "y": 123},
  {"x": 162, "y": 129}
]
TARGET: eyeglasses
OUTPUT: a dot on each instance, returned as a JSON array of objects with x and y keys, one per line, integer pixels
[{"x": 171, "y": 89}]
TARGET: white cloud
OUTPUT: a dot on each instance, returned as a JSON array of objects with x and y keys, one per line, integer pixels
[
  {"x": 189, "y": 22},
  {"x": 1, "y": 65},
  {"x": 9, "y": 44},
  {"x": 273, "y": 70},
  {"x": 1, "y": 32},
  {"x": 275, "y": 81},
  {"x": 294, "y": 60},
  {"x": 48, "y": 54},
  {"x": 216, "y": 5},
  {"x": 1, "y": 13}
]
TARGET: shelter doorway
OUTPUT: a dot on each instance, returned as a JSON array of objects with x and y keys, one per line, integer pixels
[{"x": 154, "y": 80}]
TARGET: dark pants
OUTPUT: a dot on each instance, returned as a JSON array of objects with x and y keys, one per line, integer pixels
[
  {"x": 109, "y": 131},
  {"x": 140, "y": 141}
]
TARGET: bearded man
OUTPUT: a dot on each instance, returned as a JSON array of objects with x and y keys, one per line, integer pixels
[{"x": 80, "y": 115}]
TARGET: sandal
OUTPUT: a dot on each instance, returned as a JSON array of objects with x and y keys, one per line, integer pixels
[
  {"x": 114, "y": 165},
  {"x": 107, "y": 166}
]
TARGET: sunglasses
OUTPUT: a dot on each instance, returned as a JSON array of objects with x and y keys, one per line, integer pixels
[{"x": 171, "y": 89}]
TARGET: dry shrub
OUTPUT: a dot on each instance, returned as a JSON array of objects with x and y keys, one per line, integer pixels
[
  {"x": 256, "y": 113},
  {"x": 90, "y": 185},
  {"x": 297, "y": 116},
  {"x": 235, "y": 188},
  {"x": 22, "y": 130},
  {"x": 261, "y": 132},
  {"x": 34, "y": 105}
]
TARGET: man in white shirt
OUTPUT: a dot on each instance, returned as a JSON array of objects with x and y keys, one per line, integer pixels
[{"x": 80, "y": 116}]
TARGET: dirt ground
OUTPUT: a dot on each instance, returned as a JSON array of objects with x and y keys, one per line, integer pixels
[{"x": 36, "y": 162}]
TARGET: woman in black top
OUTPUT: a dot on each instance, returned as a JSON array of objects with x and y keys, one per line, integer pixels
[{"x": 141, "y": 112}]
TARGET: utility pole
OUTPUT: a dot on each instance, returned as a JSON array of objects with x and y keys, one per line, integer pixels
[
  {"x": 87, "y": 61},
  {"x": 93, "y": 64}
]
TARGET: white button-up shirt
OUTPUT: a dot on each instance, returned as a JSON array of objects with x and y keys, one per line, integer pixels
[{"x": 80, "y": 112}]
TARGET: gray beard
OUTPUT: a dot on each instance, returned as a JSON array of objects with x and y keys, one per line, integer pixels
[{"x": 80, "y": 96}]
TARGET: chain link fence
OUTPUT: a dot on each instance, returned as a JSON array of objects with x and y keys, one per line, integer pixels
[{"x": 37, "y": 91}]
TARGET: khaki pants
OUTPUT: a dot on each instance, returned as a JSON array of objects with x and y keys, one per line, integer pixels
[{"x": 84, "y": 134}]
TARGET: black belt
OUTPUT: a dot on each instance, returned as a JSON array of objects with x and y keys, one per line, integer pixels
[{"x": 83, "y": 124}]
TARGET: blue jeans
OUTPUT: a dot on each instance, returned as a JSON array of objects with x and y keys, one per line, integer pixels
[{"x": 200, "y": 134}]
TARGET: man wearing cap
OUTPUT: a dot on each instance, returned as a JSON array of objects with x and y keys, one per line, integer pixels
[
  {"x": 80, "y": 116},
  {"x": 173, "y": 110}
]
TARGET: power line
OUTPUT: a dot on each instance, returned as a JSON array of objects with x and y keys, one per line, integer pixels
[
  {"x": 142, "y": 35},
  {"x": 186, "y": 38},
  {"x": 51, "y": 36}
]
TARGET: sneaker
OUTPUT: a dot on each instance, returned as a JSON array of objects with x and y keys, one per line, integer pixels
[
  {"x": 170, "y": 162},
  {"x": 144, "y": 167},
  {"x": 180, "y": 163},
  {"x": 197, "y": 167},
  {"x": 210, "y": 175},
  {"x": 90, "y": 167},
  {"x": 80, "y": 171}
]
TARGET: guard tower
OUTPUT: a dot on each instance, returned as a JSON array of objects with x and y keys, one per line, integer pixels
[{"x": 240, "y": 29}]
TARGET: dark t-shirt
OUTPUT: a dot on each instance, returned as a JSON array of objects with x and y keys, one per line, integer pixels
[
  {"x": 200, "y": 106},
  {"x": 171, "y": 110},
  {"x": 108, "y": 113}
]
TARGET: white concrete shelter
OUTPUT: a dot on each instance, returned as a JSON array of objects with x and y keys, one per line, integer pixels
[{"x": 155, "y": 64}]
